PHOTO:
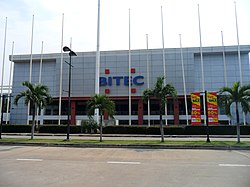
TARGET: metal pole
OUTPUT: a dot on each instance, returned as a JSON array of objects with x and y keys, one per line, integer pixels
[
  {"x": 239, "y": 57},
  {"x": 224, "y": 59},
  {"x": 202, "y": 68},
  {"x": 207, "y": 129},
  {"x": 4, "y": 46},
  {"x": 69, "y": 111},
  {"x": 31, "y": 58},
  {"x": 164, "y": 65},
  {"x": 97, "y": 72},
  {"x": 129, "y": 73},
  {"x": 184, "y": 80},
  {"x": 61, "y": 69},
  {"x": 2, "y": 108},
  {"x": 9, "y": 89},
  {"x": 224, "y": 63},
  {"x": 148, "y": 81},
  {"x": 39, "y": 81}
]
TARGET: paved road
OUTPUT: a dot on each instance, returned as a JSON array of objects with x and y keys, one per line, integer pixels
[
  {"x": 61, "y": 167},
  {"x": 128, "y": 137}
]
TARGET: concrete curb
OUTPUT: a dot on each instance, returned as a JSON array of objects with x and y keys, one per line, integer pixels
[{"x": 132, "y": 146}]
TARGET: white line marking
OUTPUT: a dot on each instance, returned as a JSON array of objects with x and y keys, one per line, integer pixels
[
  {"x": 29, "y": 159},
  {"x": 234, "y": 165},
  {"x": 115, "y": 162}
]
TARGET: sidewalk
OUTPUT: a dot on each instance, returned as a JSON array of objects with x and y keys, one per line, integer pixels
[
  {"x": 170, "y": 138},
  {"x": 131, "y": 136}
]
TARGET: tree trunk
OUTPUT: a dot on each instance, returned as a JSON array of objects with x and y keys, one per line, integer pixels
[
  {"x": 101, "y": 128},
  {"x": 161, "y": 125},
  {"x": 33, "y": 122},
  {"x": 238, "y": 123}
]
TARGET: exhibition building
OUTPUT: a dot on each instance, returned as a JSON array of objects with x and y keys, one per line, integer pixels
[{"x": 188, "y": 69}]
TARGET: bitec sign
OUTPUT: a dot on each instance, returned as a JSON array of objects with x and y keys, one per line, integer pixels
[{"x": 118, "y": 80}]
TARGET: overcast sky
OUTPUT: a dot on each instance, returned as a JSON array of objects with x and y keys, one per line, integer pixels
[{"x": 80, "y": 23}]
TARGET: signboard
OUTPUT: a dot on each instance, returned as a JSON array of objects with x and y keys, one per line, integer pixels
[
  {"x": 118, "y": 80},
  {"x": 212, "y": 108},
  {"x": 196, "y": 108}
]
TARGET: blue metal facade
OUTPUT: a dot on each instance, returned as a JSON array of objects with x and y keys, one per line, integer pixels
[{"x": 116, "y": 62}]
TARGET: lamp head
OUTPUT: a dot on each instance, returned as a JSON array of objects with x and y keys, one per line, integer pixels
[
  {"x": 72, "y": 53},
  {"x": 66, "y": 49}
]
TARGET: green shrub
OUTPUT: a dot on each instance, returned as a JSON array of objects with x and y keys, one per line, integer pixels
[
  {"x": 245, "y": 130},
  {"x": 89, "y": 126},
  {"x": 223, "y": 130},
  {"x": 173, "y": 130},
  {"x": 53, "y": 129},
  {"x": 195, "y": 130}
]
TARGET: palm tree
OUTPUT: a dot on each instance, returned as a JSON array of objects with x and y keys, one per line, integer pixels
[
  {"x": 240, "y": 95},
  {"x": 103, "y": 104},
  {"x": 160, "y": 91},
  {"x": 38, "y": 97}
]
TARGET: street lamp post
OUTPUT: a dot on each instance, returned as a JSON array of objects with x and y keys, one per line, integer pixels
[{"x": 71, "y": 53}]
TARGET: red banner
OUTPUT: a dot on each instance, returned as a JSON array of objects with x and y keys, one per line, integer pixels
[
  {"x": 196, "y": 109},
  {"x": 212, "y": 108}
]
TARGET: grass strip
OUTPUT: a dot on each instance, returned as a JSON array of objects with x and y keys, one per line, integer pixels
[{"x": 127, "y": 142}]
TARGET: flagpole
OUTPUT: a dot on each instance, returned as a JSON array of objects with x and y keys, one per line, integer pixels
[
  {"x": 224, "y": 59},
  {"x": 61, "y": 69},
  {"x": 31, "y": 56},
  {"x": 238, "y": 44},
  {"x": 239, "y": 57},
  {"x": 224, "y": 63},
  {"x": 39, "y": 81},
  {"x": 31, "y": 49},
  {"x": 184, "y": 81},
  {"x": 164, "y": 64},
  {"x": 97, "y": 73},
  {"x": 10, "y": 80},
  {"x": 41, "y": 64},
  {"x": 129, "y": 73},
  {"x": 202, "y": 70},
  {"x": 148, "y": 81},
  {"x": 4, "y": 47}
]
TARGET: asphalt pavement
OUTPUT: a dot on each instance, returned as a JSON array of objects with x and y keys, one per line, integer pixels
[{"x": 28, "y": 166}]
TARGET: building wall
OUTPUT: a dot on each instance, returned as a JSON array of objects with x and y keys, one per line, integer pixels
[{"x": 83, "y": 72}]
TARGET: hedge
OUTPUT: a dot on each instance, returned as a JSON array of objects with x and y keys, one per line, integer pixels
[
  {"x": 16, "y": 128},
  {"x": 153, "y": 130}
]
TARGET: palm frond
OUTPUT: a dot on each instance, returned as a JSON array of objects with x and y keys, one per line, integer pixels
[
  {"x": 236, "y": 94},
  {"x": 147, "y": 94},
  {"x": 36, "y": 94},
  {"x": 102, "y": 103}
]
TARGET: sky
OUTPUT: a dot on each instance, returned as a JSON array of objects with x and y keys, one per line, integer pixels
[{"x": 80, "y": 25}]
